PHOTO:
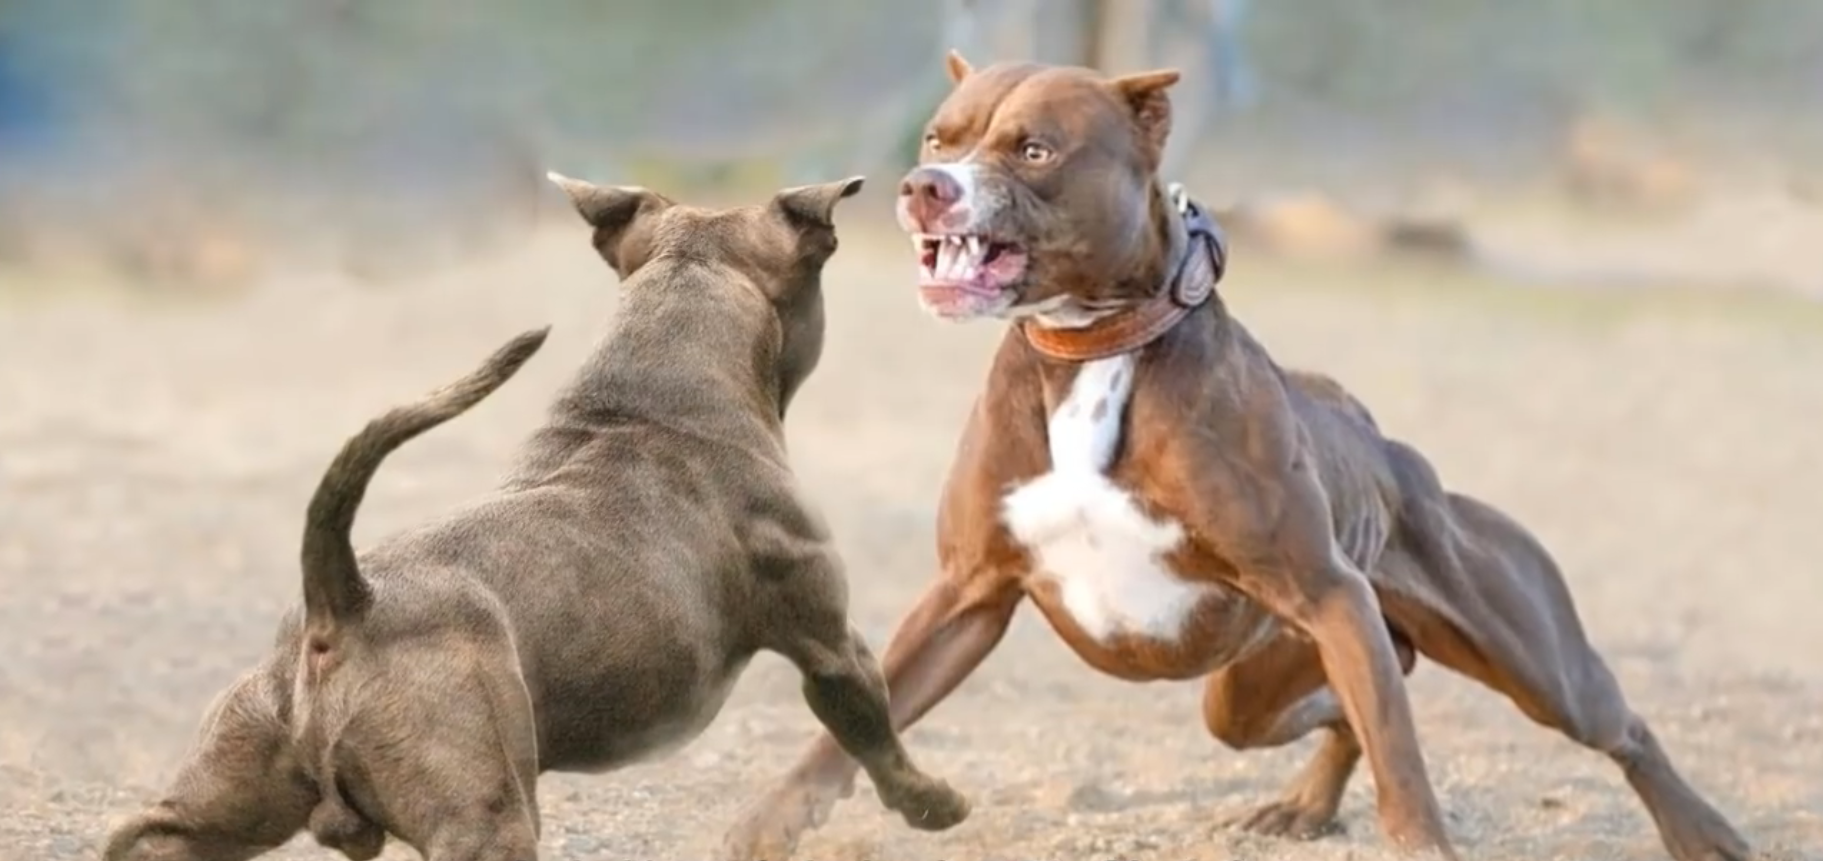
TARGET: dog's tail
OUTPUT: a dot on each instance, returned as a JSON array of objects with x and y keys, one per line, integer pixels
[{"x": 334, "y": 590}]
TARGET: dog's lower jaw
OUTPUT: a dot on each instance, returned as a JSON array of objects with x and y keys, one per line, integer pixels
[{"x": 955, "y": 304}]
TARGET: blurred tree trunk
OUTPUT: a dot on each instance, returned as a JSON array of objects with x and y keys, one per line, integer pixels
[
  {"x": 966, "y": 26},
  {"x": 1125, "y": 36},
  {"x": 1109, "y": 35}
]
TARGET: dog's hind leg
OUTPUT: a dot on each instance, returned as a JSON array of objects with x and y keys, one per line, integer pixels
[
  {"x": 443, "y": 749},
  {"x": 1493, "y": 606},
  {"x": 240, "y": 791},
  {"x": 1274, "y": 697}
]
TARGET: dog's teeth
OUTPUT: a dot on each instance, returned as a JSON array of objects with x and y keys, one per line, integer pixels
[
  {"x": 974, "y": 247},
  {"x": 954, "y": 241}
]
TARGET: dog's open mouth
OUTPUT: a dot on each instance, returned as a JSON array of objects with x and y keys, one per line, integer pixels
[{"x": 967, "y": 274}]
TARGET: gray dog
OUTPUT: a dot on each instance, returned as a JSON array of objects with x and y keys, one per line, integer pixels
[{"x": 595, "y": 610}]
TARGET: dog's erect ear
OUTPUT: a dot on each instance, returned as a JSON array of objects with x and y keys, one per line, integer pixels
[
  {"x": 609, "y": 209},
  {"x": 1145, "y": 96},
  {"x": 816, "y": 204},
  {"x": 957, "y": 67},
  {"x": 606, "y": 207}
]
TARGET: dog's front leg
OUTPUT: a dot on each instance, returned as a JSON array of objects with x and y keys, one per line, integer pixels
[
  {"x": 1292, "y": 565},
  {"x": 953, "y": 627},
  {"x": 847, "y": 692}
]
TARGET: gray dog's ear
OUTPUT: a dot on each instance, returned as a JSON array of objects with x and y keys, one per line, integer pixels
[
  {"x": 609, "y": 209},
  {"x": 816, "y": 204},
  {"x": 606, "y": 207}
]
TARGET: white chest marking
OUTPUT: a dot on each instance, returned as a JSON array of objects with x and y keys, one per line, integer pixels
[{"x": 1086, "y": 534}]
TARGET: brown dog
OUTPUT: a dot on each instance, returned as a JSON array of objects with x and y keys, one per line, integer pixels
[
  {"x": 595, "y": 610},
  {"x": 1179, "y": 506}
]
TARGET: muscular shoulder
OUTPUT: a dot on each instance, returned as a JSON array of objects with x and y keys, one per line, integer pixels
[{"x": 1325, "y": 392}]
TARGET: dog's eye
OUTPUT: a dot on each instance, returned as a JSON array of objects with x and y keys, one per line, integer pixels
[
  {"x": 1036, "y": 152},
  {"x": 931, "y": 143}
]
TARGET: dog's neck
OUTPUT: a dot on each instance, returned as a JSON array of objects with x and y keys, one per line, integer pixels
[
  {"x": 699, "y": 358},
  {"x": 1193, "y": 257}
]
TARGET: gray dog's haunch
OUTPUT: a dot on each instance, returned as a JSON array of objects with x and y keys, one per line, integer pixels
[{"x": 596, "y": 609}]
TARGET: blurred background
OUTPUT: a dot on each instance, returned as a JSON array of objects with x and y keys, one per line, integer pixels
[
  {"x": 209, "y": 140},
  {"x": 1570, "y": 249}
]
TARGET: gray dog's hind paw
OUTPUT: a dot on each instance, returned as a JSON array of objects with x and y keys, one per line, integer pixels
[{"x": 930, "y": 804}]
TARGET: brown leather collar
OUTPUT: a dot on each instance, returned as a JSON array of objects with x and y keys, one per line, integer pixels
[{"x": 1204, "y": 258}]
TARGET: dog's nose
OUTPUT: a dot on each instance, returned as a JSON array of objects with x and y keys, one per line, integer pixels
[{"x": 928, "y": 194}]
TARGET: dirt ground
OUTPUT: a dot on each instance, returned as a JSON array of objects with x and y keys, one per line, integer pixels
[{"x": 155, "y": 458}]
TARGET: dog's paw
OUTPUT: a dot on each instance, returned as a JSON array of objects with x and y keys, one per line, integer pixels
[
  {"x": 770, "y": 828},
  {"x": 1712, "y": 841},
  {"x": 928, "y": 804},
  {"x": 1287, "y": 818},
  {"x": 758, "y": 840}
]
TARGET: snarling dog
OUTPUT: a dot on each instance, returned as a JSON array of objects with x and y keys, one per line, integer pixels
[
  {"x": 593, "y": 611},
  {"x": 1179, "y": 506}
]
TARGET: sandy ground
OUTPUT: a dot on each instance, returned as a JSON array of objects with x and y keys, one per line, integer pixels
[{"x": 154, "y": 460}]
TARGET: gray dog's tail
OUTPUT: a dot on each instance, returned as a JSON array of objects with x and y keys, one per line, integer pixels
[{"x": 334, "y": 590}]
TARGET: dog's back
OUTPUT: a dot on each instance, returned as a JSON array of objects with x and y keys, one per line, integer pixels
[
  {"x": 595, "y": 609},
  {"x": 334, "y": 590},
  {"x": 623, "y": 545},
  {"x": 618, "y": 555}
]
